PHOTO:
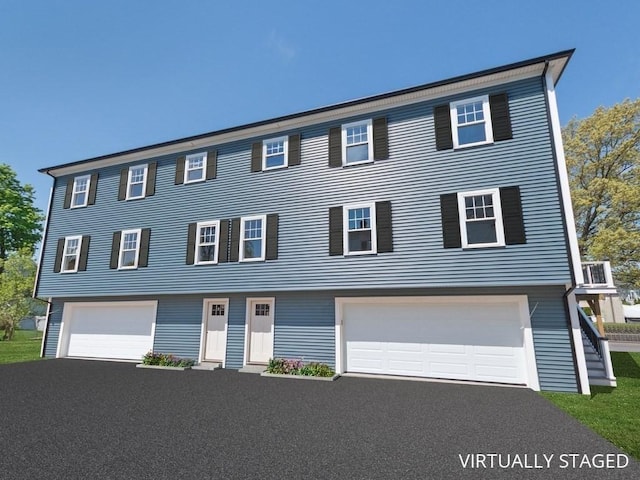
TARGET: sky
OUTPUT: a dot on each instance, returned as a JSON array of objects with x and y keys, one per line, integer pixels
[{"x": 82, "y": 79}]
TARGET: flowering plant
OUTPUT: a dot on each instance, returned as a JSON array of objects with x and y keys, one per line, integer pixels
[{"x": 288, "y": 366}]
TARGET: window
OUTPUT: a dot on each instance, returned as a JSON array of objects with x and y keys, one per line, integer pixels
[
  {"x": 207, "y": 242},
  {"x": 71, "y": 254},
  {"x": 80, "y": 194},
  {"x": 195, "y": 167},
  {"x": 481, "y": 218},
  {"x": 471, "y": 122},
  {"x": 136, "y": 182},
  {"x": 274, "y": 153},
  {"x": 129, "y": 249},
  {"x": 357, "y": 146},
  {"x": 359, "y": 229},
  {"x": 252, "y": 238}
]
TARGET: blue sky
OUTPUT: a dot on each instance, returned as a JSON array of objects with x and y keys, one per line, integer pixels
[{"x": 81, "y": 79}]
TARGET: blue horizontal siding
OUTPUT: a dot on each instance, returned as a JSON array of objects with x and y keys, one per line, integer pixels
[{"x": 412, "y": 179}]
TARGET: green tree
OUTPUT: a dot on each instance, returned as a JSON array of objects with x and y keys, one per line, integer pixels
[
  {"x": 16, "y": 284},
  {"x": 20, "y": 220},
  {"x": 603, "y": 158}
]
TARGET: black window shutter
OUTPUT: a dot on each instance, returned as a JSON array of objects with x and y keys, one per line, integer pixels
[
  {"x": 442, "y": 123},
  {"x": 151, "y": 179},
  {"x": 450, "y": 220},
  {"x": 235, "y": 240},
  {"x": 380, "y": 139},
  {"x": 191, "y": 243},
  {"x": 84, "y": 253},
  {"x": 335, "y": 147},
  {"x": 256, "y": 157},
  {"x": 143, "y": 257},
  {"x": 122, "y": 189},
  {"x": 383, "y": 227},
  {"x": 335, "y": 231},
  {"x": 115, "y": 250},
  {"x": 500, "y": 118},
  {"x": 59, "y": 253},
  {"x": 212, "y": 164},
  {"x": 179, "y": 180},
  {"x": 68, "y": 193},
  {"x": 223, "y": 247},
  {"x": 294, "y": 150},
  {"x": 511, "y": 203},
  {"x": 93, "y": 188},
  {"x": 272, "y": 237}
]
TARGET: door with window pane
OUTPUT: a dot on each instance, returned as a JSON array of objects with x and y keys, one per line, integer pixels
[
  {"x": 260, "y": 340},
  {"x": 216, "y": 331}
]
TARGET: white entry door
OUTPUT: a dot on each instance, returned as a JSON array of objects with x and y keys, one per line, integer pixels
[
  {"x": 215, "y": 345},
  {"x": 260, "y": 341}
]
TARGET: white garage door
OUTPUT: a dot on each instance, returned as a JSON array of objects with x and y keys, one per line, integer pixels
[
  {"x": 110, "y": 330},
  {"x": 462, "y": 338}
]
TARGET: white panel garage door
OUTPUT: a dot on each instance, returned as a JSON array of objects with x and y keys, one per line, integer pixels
[
  {"x": 467, "y": 338},
  {"x": 110, "y": 330}
]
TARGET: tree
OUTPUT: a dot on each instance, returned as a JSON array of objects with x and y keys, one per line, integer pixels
[
  {"x": 20, "y": 220},
  {"x": 16, "y": 285},
  {"x": 603, "y": 159}
]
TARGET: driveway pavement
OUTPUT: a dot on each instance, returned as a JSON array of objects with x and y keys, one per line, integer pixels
[{"x": 73, "y": 419}]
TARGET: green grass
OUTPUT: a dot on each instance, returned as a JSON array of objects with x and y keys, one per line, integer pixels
[
  {"x": 24, "y": 347},
  {"x": 611, "y": 412}
]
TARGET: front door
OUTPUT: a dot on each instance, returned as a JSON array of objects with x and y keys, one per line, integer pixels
[
  {"x": 260, "y": 331},
  {"x": 216, "y": 331}
]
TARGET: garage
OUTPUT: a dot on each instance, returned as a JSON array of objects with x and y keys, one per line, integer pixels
[
  {"x": 478, "y": 338},
  {"x": 107, "y": 330}
]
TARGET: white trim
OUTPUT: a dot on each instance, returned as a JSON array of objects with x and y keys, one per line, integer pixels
[
  {"x": 73, "y": 191},
  {"x": 578, "y": 347},
  {"x": 486, "y": 110},
  {"x": 563, "y": 178},
  {"x": 497, "y": 212},
  {"x": 64, "y": 253},
  {"x": 520, "y": 300},
  {"x": 144, "y": 181},
  {"x": 206, "y": 304},
  {"x": 138, "y": 231},
  {"x": 202, "y": 155},
  {"x": 369, "y": 124},
  {"x": 46, "y": 327},
  {"x": 247, "y": 322},
  {"x": 263, "y": 238},
  {"x": 373, "y": 227},
  {"x": 199, "y": 225},
  {"x": 285, "y": 146},
  {"x": 42, "y": 244},
  {"x": 67, "y": 309}
]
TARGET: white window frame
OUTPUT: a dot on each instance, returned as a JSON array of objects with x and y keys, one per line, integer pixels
[
  {"x": 373, "y": 228},
  {"x": 285, "y": 146},
  {"x": 369, "y": 124},
  {"x": 497, "y": 212},
  {"x": 486, "y": 110},
  {"x": 64, "y": 254},
  {"x": 199, "y": 225},
  {"x": 144, "y": 181},
  {"x": 137, "y": 231},
  {"x": 263, "y": 238},
  {"x": 75, "y": 191},
  {"x": 187, "y": 169}
]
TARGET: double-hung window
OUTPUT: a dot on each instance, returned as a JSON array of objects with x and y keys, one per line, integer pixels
[
  {"x": 207, "y": 240},
  {"x": 274, "y": 153},
  {"x": 71, "y": 254},
  {"x": 357, "y": 144},
  {"x": 471, "y": 122},
  {"x": 195, "y": 168},
  {"x": 252, "y": 238},
  {"x": 481, "y": 218},
  {"x": 80, "y": 194},
  {"x": 129, "y": 249},
  {"x": 359, "y": 229},
  {"x": 137, "y": 182}
]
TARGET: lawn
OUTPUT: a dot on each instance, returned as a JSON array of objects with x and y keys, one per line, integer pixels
[
  {"x": 614, "y": 413},
  {"x": 24, "y": 347}
]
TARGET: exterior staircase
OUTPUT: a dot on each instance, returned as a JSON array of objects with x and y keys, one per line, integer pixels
[
  {"x": 596, "y": 352},
  {"x": 595, "y": 365}
]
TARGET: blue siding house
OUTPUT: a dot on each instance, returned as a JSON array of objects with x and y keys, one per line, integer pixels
[{"x": 424, "y": 232}]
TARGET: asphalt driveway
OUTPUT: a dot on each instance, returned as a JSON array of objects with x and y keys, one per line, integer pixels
[{"x": 73, "y": 419}]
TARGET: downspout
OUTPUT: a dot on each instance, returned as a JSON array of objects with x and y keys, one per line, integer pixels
[{"x": 575, "y": 331}]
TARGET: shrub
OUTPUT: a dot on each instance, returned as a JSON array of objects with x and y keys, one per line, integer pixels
[
  {"x": 284, "y": 366},
  {"x": 166, "y": 360}
]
